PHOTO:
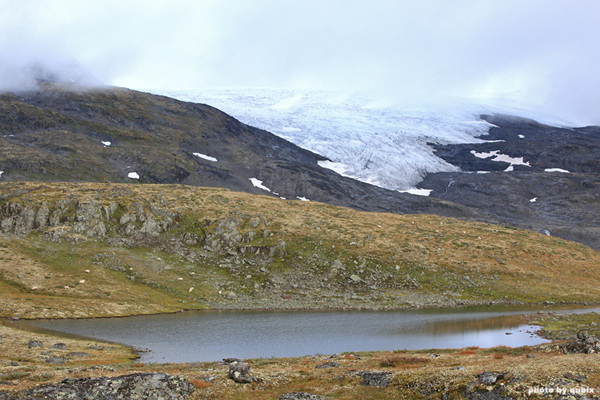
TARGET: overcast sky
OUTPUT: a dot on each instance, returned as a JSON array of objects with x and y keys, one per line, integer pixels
[{"x": 545, "y": 52}]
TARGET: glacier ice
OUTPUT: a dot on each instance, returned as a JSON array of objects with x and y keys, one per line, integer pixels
[{"x": 364, "y": 137}]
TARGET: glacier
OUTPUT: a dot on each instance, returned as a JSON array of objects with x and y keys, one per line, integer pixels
[{"x": 370, "y": 138}]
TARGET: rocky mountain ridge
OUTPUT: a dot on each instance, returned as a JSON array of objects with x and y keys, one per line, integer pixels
[{"x": 528, "y": 175}]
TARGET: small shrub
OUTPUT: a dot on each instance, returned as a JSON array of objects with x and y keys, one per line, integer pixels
[
  {"x": 199, "y": 383},
  {"x": 396, "y": 361},
  {"x": 13, "y": 376},
  {"x": 41, "y": 378}
]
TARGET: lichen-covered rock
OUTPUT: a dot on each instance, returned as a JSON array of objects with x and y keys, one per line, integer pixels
[
  {"x": 240, "y": 372},
  {"x": 88, "y": 210},
  {"x": 110, "y": 210},
  {"x": 583, "y": 343},
  {"x": 299, "y": 396},
  {"x": 488, "y": 378},
  {"x": 78, "y": 354},
  {"x": 331, "y": 364},
  {"x": 41, "y": 217},
  {"x": 127, "y": 218},
  {"x": 374, "y": 378},
  {"x": 24, "y": 222},
  {"x": 151, "y": 227},
  {"x": 7, "y": 224},
  {"x": 231, "y": 296},
  {"x": 136, "y": 386}
]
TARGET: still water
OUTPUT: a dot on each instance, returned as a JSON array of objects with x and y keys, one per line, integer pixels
[{"x": 214, "y": 335}]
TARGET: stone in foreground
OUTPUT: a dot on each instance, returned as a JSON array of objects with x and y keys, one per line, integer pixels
[{"x": 134, "y": 386}]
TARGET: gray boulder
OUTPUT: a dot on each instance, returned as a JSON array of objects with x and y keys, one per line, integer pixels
[
  {"x": 583, "y": 343},
  {"x": 488, "y": 378},
  {"x": 374, "y": 378},
  {"x": 331, "y": 364},
  {"x": 299, "y": 396},
  {"x": 240, "y": 372},
  {"x": 134, "y": 386}
]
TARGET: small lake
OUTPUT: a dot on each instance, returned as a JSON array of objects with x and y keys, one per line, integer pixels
[{"x": 195, "y": 336}]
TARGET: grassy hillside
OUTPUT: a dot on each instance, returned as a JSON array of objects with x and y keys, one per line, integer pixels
[{"x": 76, "y": 250}]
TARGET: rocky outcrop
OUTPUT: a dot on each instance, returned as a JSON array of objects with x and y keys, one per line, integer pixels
[
  {"x": 375, "y": 378},
  {"x": 240, "y": 372},
  {"x": 330, "y": 364},
  {"x": 583, "y": 343},
  {"x": 75, "y": 220},
  {"x": 489, "y": 386},
  {"x": 126, "y": 387}
]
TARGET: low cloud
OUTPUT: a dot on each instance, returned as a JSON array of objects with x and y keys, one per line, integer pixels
[{"x": 541, "y": 53}]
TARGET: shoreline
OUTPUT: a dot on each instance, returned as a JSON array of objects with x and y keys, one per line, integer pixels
[
  {"x": 230, "y": 307},
  {"x": 527, "y": 314},
  {"x": 455, "y": 373}
]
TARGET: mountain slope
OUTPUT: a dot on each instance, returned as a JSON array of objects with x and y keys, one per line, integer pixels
[
  {"x": 445, "y": 149},
  {"x": 119, "y": 135},
  {"x": 528, "y": 175}
]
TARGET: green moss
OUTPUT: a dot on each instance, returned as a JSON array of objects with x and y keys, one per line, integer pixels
[{"x": 563, "y": 327}]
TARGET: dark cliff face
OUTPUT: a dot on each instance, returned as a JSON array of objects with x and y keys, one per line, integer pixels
[
  {"x": 558, "y": 191},
  {"x": 104, "y": 135}
]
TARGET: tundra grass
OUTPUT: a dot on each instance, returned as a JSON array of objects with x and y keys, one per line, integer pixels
[{"x": 383, "y": 258}]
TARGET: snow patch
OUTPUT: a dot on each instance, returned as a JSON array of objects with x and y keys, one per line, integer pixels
[
  {"x": 533, "y": 200},
  {"x": 106, "y": 144},
  {"x": 133, "y": 175},
  {"x": 301, "y": 198},
  {"x": 1, "y": 172},
  {"x": 564, "y": 171},
  {"x": 258, "y": 184},
  {"x": 522, "y": 136},
  {"x": 511, "y": 160},
  {"x": 502, "y": 157},
  {"x": 205, "y": 157},
  {"x": 418, "y": 192},
  {"x": 483, "y": 172}
]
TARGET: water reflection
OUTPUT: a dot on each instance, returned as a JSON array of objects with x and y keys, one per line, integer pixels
[{"x": 504, "y": 322}]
